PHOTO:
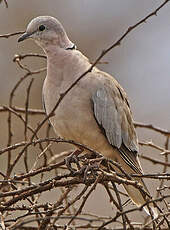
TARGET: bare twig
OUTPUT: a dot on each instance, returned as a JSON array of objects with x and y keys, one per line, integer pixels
[
  {"x": 155, "y": 161},
  {"x": 22, "y": 110},
  {"x": 11, "y": 34},
  {"x": 152, "y": 127},
  {"x": 22, "y": 200}
]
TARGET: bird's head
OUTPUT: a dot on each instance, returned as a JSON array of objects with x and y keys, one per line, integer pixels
[{"x": 46, "y": 30}]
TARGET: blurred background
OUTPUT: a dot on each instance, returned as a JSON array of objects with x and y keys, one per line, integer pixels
[{"x": 141, "y": 64}]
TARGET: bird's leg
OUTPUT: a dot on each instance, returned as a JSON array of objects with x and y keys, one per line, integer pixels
[{"x": 73, "y": 158}]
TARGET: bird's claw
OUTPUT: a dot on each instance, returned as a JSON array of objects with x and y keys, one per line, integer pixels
[
  {"x": 73, "y": 158},
  {"x": 89, "y": 167},
  {"x": 90, "y": 170}
]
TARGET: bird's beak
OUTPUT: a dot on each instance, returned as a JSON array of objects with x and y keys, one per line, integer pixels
[{"x": 25, "y": 36}]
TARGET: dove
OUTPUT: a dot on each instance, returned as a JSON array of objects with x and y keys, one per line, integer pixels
[{"x": 96, "y": 111}]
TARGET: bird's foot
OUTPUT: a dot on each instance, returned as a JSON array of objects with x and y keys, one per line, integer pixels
[
  {"x": 90, "y": 168},
  {"x": 73, "y": 158}
]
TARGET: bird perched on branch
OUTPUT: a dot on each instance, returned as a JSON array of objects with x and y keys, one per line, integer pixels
[{"x": 96, "y": 111}]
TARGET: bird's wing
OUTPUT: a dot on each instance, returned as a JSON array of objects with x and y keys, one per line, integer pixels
[{"x": 112, "y": 112}]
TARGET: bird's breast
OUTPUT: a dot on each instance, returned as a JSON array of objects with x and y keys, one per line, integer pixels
[{"x": 74, "y": 120}]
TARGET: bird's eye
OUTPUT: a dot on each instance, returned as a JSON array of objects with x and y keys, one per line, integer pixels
[{"x": 41, "y": 28}]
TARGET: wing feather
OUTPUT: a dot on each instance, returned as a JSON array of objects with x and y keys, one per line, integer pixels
[{"x": 112, "y": 112}]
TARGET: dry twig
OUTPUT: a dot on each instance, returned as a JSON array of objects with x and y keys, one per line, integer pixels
[{"x": 20, "y": 193}]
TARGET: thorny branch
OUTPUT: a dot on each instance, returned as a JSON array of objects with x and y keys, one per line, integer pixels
[
  {"x": 22, "y": 193},
  {"x": 10, "y": 34}
]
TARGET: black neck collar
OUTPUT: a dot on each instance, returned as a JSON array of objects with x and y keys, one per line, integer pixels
[{"x": 72, "y": 48}]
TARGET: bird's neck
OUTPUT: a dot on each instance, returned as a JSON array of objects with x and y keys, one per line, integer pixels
[
  {"x": 57, "y": 57},
  {"x": 60, "y": 63},
  {"x": 65, "y": 66}
]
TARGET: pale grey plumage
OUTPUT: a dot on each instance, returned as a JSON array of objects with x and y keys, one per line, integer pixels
[
  {"x": 105, "y": 108},
  {"x": 96, "y": 111}
]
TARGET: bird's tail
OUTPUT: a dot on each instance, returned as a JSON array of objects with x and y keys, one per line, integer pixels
[{"x": 140, "y": 198}]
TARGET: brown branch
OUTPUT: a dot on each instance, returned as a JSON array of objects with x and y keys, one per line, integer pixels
[
  {"x": 26, "y": 126},
  {"x": 151, "y": 144},
  {"x": 132, "y": 210},
  {"x": 52, "y": 183},
  {"x": 86, "y": 197},
  {"x": 12, "y": 147},
  {"x": 11, "y": 34},
  {"x": 155, "y": 161},
  {"x": 164, "y": 176},
  {"x": 21, "y": 188},
  {"x": 22, "y": 110},
  {"x": 78, "y": 197},
  {"x": 22, "y": 56},
  {"x": 46, "y": 221},
  {"x": 57, "y": 140},
  {"x": 24, "y": 67},
  {"x": 152, "y": 127},
  {"x": 120, "y": 205},
  {"x": 159, "y": 192}
]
